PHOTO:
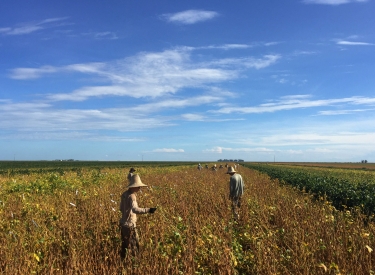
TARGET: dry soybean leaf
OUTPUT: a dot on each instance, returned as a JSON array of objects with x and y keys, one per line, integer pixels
[
  {"x": 365, "y": 235},
  {"x": 323, "y": 266},
  {"x": 369, "y": 249},
  {"x": 36, "y": 257}
]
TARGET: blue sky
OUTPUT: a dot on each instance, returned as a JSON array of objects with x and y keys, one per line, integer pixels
[{"x": 188, "y": 80}]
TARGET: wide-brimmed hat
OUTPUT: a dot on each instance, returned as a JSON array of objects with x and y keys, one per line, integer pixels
[
  {"x": 231, "y": 170},
  {"x": 135, "y": 181},
  {"x": 132, "y": 170}
]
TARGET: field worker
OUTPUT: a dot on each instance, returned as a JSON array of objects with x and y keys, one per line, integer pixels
[
  {"x": 129, "y": 209},
  {"x": 236, "y": 187},
  {"x": 199, "y": 167},
  {"x": 131, "y": 173}
]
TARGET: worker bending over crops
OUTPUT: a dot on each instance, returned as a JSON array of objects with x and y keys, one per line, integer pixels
[
  {"x": 129, "y": 209},
  {"x": 236, "y": 187}
]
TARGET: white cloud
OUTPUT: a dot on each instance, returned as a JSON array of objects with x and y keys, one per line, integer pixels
[
  {"x": 267, "y": 44},
  {"x": 247, "y": 62},
  {"x": 193, "y": 117},
  {"x": 227, "y": 47},
  {"x": 296, "y": 102},
  {"x": 217, "y": 150},
  {"x": 332, "y": 2},
  {"x": 102, "y": 35},
  {"x": 190, "y": 16},
  {"x": 152, "y": 74},
  {"x": 168, "y": 150},
  {"x": 176, "y": 103},
  {"x": 32, "y": 73},
  {"x": 42, "y": 117},
  {"x": 351, "y": 43},
  {"x": 31, "y": 27},
  {"x": 220, "y": 150},
  {"x": 342, "y": 112}
]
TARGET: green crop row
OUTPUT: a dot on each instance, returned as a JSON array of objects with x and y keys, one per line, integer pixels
[
  {"x": 11, "y": 168},
  {"x": 342, "y": 189}
]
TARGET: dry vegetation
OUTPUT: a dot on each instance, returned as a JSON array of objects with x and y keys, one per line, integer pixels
[{"x": 73, "y": 228}]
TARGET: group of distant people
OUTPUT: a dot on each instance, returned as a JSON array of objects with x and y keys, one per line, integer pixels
[
  {"x": 214, "y": 167},
  {"x": 129, "y": 207}
]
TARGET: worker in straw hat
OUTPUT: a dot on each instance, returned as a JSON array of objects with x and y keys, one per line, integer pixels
[
  {"x": 129, "y": 209},
  {"x": 236, "y": 187}
]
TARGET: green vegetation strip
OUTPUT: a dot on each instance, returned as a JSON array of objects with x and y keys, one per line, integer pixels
[
  {"x": 345, "y": 189},
  {"x": 12, "y": 168}
]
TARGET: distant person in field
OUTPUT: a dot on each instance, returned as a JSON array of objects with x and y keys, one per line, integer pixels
[
  {"x": 236, "y": 188},
  {"x": 129, "y": 209},
  {"x": 199, "y": 167},
  {"x": 131, "y": 173}
]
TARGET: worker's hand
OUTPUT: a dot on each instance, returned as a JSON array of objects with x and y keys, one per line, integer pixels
[{"x": 152, "y": 210}]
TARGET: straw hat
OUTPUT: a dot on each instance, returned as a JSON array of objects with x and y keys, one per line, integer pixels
[
  {"x": 135, "y": 181},
  {"x": 231, "y": 170}
]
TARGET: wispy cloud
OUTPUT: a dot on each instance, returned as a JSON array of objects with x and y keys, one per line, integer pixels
[
  {"x": 175, "y": 103},
  {"x": 353, "y": 43},
  {"x": 217, "y": 150},
  {"x": 102, "y": 35},
  {"x": 296, "y": 102},
  {"x": 149, "y": 74},
  {"x": 46, "y": 118},
  {"x": 32, "y": 73},
  {"x": 190, "y": 16},
  {"x": 168, "y": 150},
  {"x": 248, "y": 62},
  {"x": 193, "y": 117},
  {"x": 342, "y": 112},
  {"x": 333, "y": 2},
  {"x": 31, "y": 27},
  {"x": 220, "y": 150},
  {"x": 227, "y": 47}
]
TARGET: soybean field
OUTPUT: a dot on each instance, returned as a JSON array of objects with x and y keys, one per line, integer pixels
[{"x": 64, "y": 220}]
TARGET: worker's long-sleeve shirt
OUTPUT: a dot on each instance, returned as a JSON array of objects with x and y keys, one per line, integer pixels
[
  {"x": 236, "y": 186},
  {"x": 129, "y": 208}
]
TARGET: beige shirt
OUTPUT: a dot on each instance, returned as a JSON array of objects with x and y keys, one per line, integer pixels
[
  {"x": 236, "y": 186},
  {"x": 129, "y": 208}
]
